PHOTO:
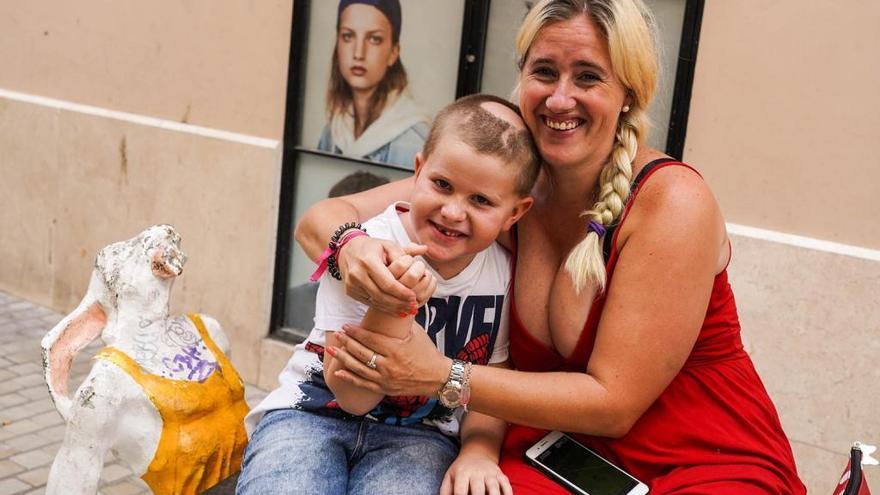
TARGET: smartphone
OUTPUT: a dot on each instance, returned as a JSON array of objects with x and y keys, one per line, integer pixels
[{"x": 580, "y": 469}]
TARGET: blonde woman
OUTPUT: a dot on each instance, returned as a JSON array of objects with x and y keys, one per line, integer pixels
[
  {"x": 370, "y": 113},
  {"x": 624, "y": 329}
]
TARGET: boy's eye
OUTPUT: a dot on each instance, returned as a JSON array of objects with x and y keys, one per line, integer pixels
[
  {"x": 442, "y": 184},
  {"x": 481, "y": 200}
]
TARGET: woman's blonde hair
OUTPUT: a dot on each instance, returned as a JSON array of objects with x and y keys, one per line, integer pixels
[{"x": 629, "y": 28}]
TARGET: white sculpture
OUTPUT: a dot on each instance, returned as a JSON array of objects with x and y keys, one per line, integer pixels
[{"x": 162, "y": 395}]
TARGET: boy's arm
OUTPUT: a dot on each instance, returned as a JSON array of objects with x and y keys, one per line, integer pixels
[
  {"x": 351, "y": 398},
  {"x": 476, "y": 467}
]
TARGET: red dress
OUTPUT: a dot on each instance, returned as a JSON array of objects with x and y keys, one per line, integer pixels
[{"x": 714, "y": 430}]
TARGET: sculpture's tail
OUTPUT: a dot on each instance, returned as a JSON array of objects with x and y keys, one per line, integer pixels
[{"x": 61, "y": 345}]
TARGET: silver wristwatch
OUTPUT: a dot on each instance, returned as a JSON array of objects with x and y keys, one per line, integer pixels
[{"x": 457, "y": 391}]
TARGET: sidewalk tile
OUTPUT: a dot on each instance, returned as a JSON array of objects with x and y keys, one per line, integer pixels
[
  {"x": 123, "y": 488},
  {"x": 25, "y": 368},
  {"x": 15, "y": 428},
  {"x": 36, "y": 392},
  {"x": 25, "y": 356},
  {"x": 33, "y": 459},
  {"x": 28, "y": 380},
  {"x": 8, "y": 468},
  {"x": 35, "y": 477},
  {"x": 29, "y": 441},
  {"x": 10, "y": 400},
  {"x": 48, "y": 419},
  {"x": 13, "y": 486}
]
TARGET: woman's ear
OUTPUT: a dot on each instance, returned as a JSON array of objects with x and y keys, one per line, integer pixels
[{"x": 519, "y": 209}]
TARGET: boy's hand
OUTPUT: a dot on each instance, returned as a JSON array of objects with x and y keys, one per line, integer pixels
[
  {"x": 475, "y": 474},
  {"x": 363, "y": 263}
]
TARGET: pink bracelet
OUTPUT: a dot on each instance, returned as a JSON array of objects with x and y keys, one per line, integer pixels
[{"x": 328, "y": 257}]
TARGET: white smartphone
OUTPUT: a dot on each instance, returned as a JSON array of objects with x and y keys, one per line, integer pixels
[{"x": 580, "y": 469}]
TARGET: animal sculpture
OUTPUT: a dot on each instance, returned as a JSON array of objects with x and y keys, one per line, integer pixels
[{"x": 162, "y": 395}]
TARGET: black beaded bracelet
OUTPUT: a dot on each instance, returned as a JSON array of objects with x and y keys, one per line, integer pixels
[{"x": 332, "y": 266}]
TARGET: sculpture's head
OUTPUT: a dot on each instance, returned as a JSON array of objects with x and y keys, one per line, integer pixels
[
  {"x": 139, "y": 267},
  {"x": 136, "y": 275}
]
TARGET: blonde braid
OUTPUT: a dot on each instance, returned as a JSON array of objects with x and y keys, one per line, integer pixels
[{"x": 586, "y": 263}]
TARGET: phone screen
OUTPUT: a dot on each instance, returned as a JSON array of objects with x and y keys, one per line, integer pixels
[{"x": 585, "y": 469}]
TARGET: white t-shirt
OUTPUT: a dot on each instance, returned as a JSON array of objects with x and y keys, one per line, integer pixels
[{"x": 467, "y": 318}]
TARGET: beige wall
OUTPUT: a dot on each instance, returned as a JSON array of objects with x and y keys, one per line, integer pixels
[
  {"x": 784, "y": 119},
  {"x": 784, "y": 126},
  {"x": 76, "y": 179},
  {"x": 220, "y": 65}
]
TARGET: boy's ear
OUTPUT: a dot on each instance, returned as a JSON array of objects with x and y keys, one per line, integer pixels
[
  {"x": 519, "y": 209},
  {"x": 420, "y": 160}
]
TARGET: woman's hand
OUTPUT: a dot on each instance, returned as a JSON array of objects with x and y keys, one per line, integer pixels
[
  {"x": 408, "y": 366},
  {"x": 475, "y": 474},
  {"x": 366, "y": 266}
]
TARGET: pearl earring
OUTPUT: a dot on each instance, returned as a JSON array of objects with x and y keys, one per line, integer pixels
[{"x": 625, "y": 109}]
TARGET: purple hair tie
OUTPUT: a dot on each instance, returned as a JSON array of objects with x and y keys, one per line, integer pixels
[{"x": 596, "y": 227}]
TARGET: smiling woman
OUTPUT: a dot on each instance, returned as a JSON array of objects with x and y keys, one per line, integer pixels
[{"x": 370, "y": 113}]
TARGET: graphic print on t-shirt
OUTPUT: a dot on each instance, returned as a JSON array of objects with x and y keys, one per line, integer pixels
[{"x": 469, "y": 327}]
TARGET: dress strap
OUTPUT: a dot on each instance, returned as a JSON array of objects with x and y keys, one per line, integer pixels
[{"x": 609, "y": 231}]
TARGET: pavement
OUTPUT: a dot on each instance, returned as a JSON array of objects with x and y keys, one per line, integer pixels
[{"x": 31, "y": 430}]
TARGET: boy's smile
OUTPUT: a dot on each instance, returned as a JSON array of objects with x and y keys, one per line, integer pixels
[{"x": 461, "y": 201}]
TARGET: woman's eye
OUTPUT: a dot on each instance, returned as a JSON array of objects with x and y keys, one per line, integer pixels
[
  {"x": 589, "y": 77},
  {"x": 376, "y": 40},
  {"x": 346, "y": 37},
  {"x": 442, "y": 184},
  {"x": 544, "y": 72}
]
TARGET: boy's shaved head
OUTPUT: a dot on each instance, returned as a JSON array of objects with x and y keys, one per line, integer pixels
[{"x": 491, "y": 126}]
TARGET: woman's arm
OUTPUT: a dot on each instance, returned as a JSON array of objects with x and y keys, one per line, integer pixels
[
  {"x": 357, "y": 400},
  {"x": 363, "y": 261},
  {"x": 669, "y": 251}
]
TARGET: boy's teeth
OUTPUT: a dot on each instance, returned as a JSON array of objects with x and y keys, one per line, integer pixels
[
  {"x": 447, "y": 232},
  {"x": 561, "y": 125}
]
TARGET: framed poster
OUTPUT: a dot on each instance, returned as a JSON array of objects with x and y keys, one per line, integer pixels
[
  {"x": 366, "y": 78},
  {"x": 376, "y": 72}
]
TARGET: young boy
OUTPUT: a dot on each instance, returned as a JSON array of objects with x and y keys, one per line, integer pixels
[{"x": 321, "y": 435}]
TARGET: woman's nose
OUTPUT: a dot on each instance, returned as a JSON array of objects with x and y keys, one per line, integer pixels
[
  {"x": 560, "y": 100},
  {"x": 360, "y": 47}
]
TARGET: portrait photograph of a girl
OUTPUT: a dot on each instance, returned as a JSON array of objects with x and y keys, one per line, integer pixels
[{"x": 372, "y": 110}]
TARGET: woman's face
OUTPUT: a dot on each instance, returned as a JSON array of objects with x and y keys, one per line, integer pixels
[
  {"x": 364, "y": 46},
  {"x": 569, "y": 95}
]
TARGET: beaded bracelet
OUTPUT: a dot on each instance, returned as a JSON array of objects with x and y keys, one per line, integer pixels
[{"x": 340, "y": 237}]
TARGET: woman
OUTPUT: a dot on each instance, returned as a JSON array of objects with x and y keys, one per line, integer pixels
[
  {"x": 369, "y": 111},
  {"x": 623, "y": 326}
]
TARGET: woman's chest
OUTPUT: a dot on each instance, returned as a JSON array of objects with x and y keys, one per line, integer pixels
[{"x": 547, "y": 304}]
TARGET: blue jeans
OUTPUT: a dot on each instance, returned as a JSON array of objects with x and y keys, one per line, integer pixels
[{"x": 293, "y": 451}]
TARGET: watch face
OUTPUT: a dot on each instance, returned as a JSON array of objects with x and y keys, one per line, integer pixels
[{"x": 451, "y": 396}]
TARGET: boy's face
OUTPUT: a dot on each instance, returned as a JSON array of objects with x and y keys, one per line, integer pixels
[{"x": 461, "y": 201}]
